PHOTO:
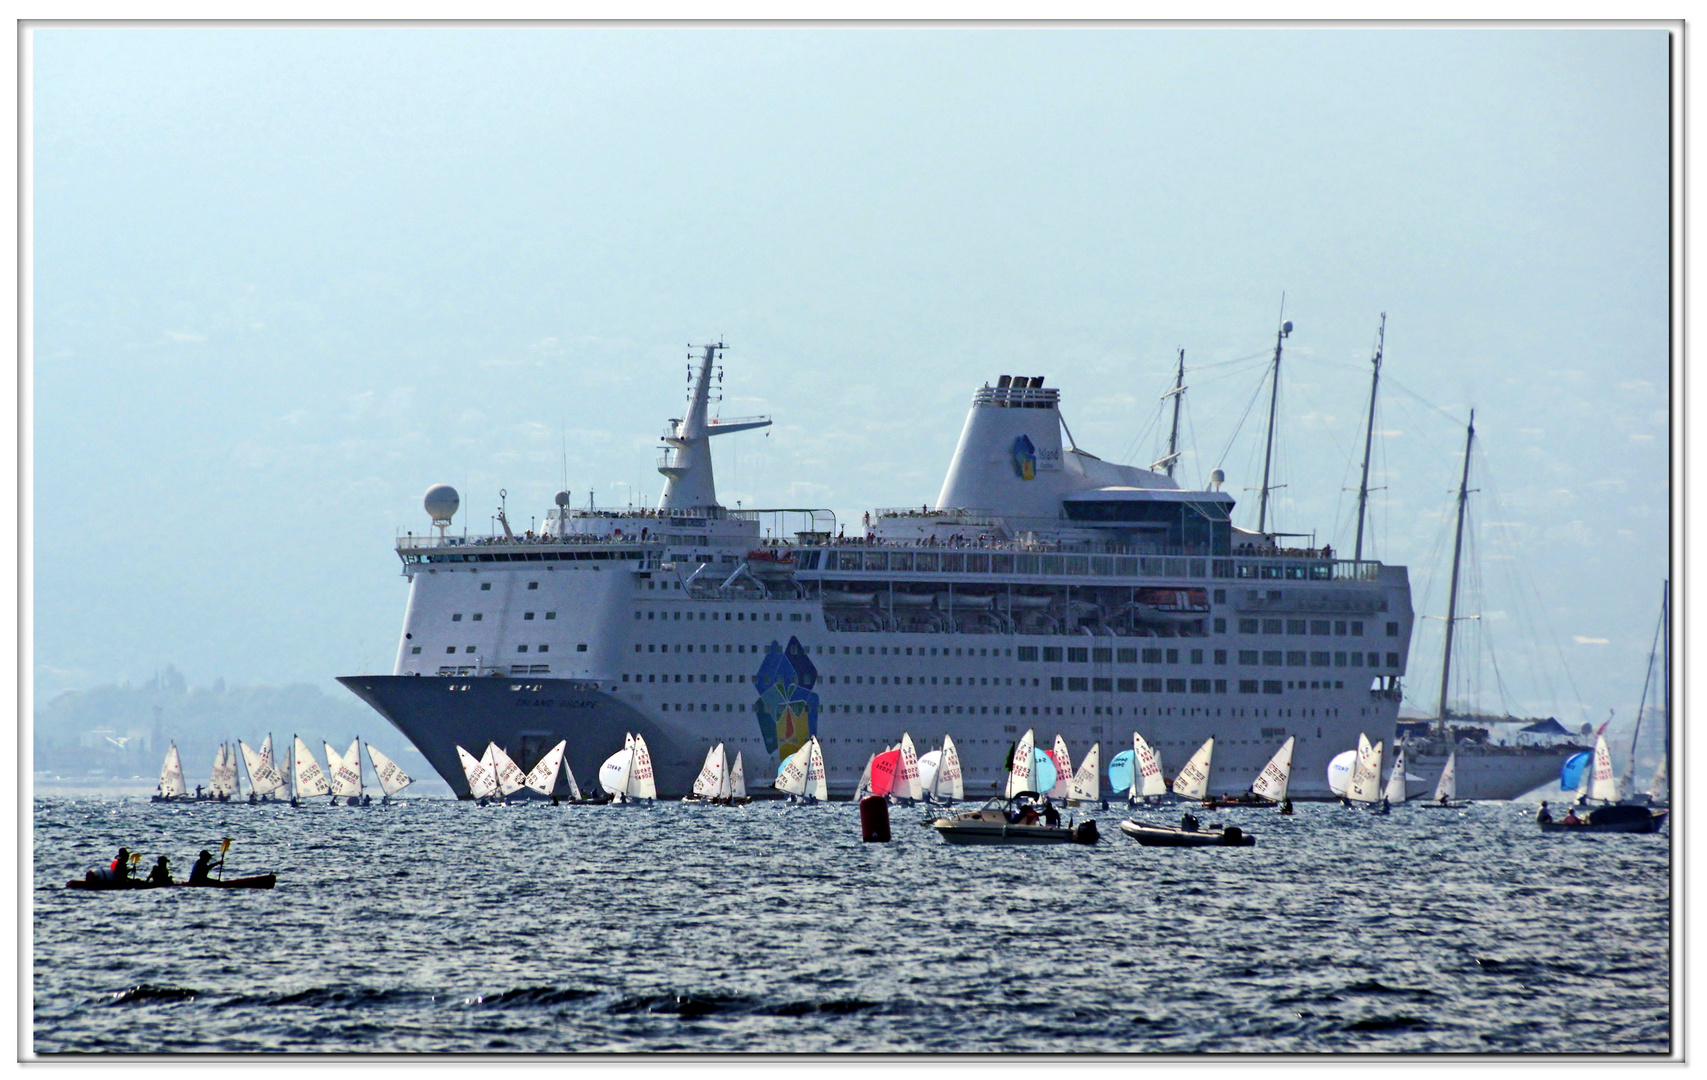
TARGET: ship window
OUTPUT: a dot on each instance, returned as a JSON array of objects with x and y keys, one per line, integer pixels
[
  {"x": 637, "y": 616},
  {"x": 582, "y": 647},
  {"x": 1318, "y": 659},
  {"x": 678, "y": 616},
  {"x": 1052, "y": 654},
  {"x": 1272, "y": 686},
  {"x": 1152, "y": 686},
  {"x": 1220, "y": 596},
  {"x": 478, "y": 616},
  {"x": 1319, "y": 626},
  {"x": 1392, "y": 629},
  {"x": 1220, "y": 656},
  {"x": 1078, "y": 656},
  {"x": 1247, "y": 686},
  {"x": 527, "y": 616},
  {"x": 1392, "y": 659},
  {"x": 533, "y": 584},
  {"x": 486, "y": 586},
  {"x": 1375, "y": 659},
  {"x": 1339, "y": 659},
  {"x": 1026, "y": 652},
  {"x": 1296, "y": 626},
  {"x": 1273, "y": 626},
  {"x": 457, "y": 617},
  {"x": 451, "y": 649},
  {"x": 1173, "y": 656},
  {"x": 543, "y": 648},
  {"x": 521, "y": 648},
  {"x": 1128, "y": 686},
  {"x": 1295, "y": 658},
  {"x": 1102, "y": 685},
  {"x": 552, "y": 615},
  {"x": 470, "y": 649},
  {"x": 1356, "y": 629},
  {"x": 1273, "y": 658},
  {"x": 1356, "y": 659},
  {"x": 1247, "y": 626},
  {"x": 1197, "y": 656},
  {"x": 416, "y": 651},
  {"x": 1200, "y": 686},
  {"x": 1056, "y": 682}
]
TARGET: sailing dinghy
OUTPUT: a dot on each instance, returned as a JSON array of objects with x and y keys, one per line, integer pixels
[
  {"x": 307, "y": 779},
  {"x": 1446, "y": 788},
  {"x": 1085, "y": 786},
  {"x": 1193, "y": 779},
  {"x": 346, "y": 773},
  {"x": 171, "y": 777},
  {"x": 542, "y": 778},
  {"x": 391, "y": 778},
  {"x": 1610, "y": 816},
  {"x": 712, "y": 783}
]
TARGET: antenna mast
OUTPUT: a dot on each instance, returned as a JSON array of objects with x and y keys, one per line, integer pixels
[
  {"x": 1452, "y": 590},
  {"x": 1368, "y": 439},
  {"x": 1178, "y": 394},
  {"x": 1273, "y": 402}
]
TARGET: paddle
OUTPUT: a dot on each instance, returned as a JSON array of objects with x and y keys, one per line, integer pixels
[{"x": 224, "y": 846}]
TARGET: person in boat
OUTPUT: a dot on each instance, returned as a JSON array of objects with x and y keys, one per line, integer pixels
[
  {"x": 1188, "y": 823},
  {"x": 251, "y": 795},
  {"x": 161, "y": 874},
  {"x": 1571, "y": 817},
  {"x": 1385, "y": 805},
  {"x": 1542, "y": 817},
  {"x": 1051, "y": 816},
  {"x": 199, "y": 872},
  {"x": 120, "y": 869},
  {"x": 1445, "y": 799},
  {"x": 1286, "y": 805}
]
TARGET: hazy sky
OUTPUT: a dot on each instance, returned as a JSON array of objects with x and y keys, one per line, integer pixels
[{"x": 286, "y": 279}]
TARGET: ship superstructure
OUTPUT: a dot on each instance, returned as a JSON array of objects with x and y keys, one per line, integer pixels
[{"x": 1046, "y": 588}]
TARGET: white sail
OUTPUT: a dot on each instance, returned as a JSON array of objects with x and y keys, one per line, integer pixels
[
  {"x": 172, "y": 773},
  {"x": 1193, "y": 779},
  {"x": 259, "y": 783},
  {"x": 1365, "y": 783},
  {"x": 569, "y": 775},
  {"x": 640, "y": 782},
  {"x": 929, "y": 763},
  {"x": 543, "y": 776},
  {"x": 1063, "y": 769},
  {"x": 709, "y": 783},
  {"x": 907, "y": 779},
  {"x": 791, "y": 776},
  {"x": 817, "y": 776},
  {"x": 1340, "y": 770},
  {"x": 474, "y": 771},
  {"x": 1019, "y": 777},
  {"x": 863, "y": 788},
  {"x": 1605, "y": 785},
  {"x": 1149, "y": 765},
  {"x": 949, "y": 779},
  {"x": 1086, "y": 787},
  {"x": 307, "y": 778},
  {"x": 1660, "y": 789},
  {"x": 345, "y": 771},
  {"x": 1395, "y": 792},
  {"x": 268, "y": 761},
  {"x": 224, "y": 771},
  {"x": 1447, "y": 787},
  {"x": 511, "y": 779},
  {"x": 613, "y": 774},
  {"x": 391, "y": 778},
  {"x": 737, "y": 778},
  {"x": 1272, "y": 781}
]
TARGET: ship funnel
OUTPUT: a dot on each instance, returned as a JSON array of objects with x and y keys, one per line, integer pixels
[
  {"x": 1009, "y": 455},
  {"x": 686, "y": 464}
]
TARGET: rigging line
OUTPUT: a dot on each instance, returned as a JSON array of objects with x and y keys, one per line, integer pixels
[
  {"x": 1459, "y": 421},
  {"x": 1265, "y": 354},
  {"x": 1249, "y": 405}
]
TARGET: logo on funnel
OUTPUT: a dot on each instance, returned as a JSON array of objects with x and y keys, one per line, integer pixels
[{"x": 1025, "y": 458}]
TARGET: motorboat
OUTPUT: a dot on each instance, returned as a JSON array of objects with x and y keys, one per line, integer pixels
[
  {"x": 1186, "y": 834},
  {"x": 1016, "y": 820},
  {"x": 1602, "y": 819}
]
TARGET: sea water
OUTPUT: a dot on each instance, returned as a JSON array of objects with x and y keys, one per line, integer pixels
[{"x": 432, "y": 925}]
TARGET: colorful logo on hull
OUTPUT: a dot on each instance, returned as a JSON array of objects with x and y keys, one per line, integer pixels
[
  {"x": 1025, "y": 458},
  {"x": 787, "y": 708}
]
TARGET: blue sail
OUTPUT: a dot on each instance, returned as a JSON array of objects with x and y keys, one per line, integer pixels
[
  {"x": 1571, "y": 773},
  {"x": 1120, "y": 772}
]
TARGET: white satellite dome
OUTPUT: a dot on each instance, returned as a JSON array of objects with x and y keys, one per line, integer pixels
[
  {"x": 441, "y": 503},
  {"x": 562, "y": 499},
  {"x": 1216, "y": 479}
]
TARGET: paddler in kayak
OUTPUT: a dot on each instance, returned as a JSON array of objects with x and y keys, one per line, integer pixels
[
  {"x": 161, "y": 874},
  {"x": 120, "y": 869},
  {"x": 199, "y": 872}
]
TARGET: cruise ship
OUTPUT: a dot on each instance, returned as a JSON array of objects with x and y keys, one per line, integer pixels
[{"x": 1047, "y": 589}]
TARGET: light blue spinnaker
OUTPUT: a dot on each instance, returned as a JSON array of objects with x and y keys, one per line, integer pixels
[
  {"x": 1571, "y": 773},
  {"x": 1120, "y": 772}
]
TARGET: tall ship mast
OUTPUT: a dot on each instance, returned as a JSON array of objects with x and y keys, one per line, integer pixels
[{"x": 1045, "y": 588}]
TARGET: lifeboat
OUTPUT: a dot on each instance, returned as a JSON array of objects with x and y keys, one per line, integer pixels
[
  {"x": 1171, "y": 605},
  {"x": 770, "y": 565}
]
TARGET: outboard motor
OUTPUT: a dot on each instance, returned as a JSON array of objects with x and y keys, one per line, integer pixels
[{"x": 1085, "y": 833}]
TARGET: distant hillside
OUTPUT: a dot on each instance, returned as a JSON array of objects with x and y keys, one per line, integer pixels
[{"x": 122, "y": 730}]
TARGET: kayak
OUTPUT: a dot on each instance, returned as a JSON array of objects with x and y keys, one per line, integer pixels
[{"x": 259, "y": 881}]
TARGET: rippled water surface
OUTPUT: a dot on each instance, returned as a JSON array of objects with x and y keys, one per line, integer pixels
[{"x": 437, "y": 926}]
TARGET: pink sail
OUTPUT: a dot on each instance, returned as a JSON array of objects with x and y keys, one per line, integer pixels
[{"x": 884, "y": 768}]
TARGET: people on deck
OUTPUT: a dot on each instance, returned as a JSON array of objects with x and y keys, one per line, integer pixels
[
  {"x": 1051, "y": 816},
  {"x": 161, "y": 874},
  {"x": 199, "y": 872}
]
